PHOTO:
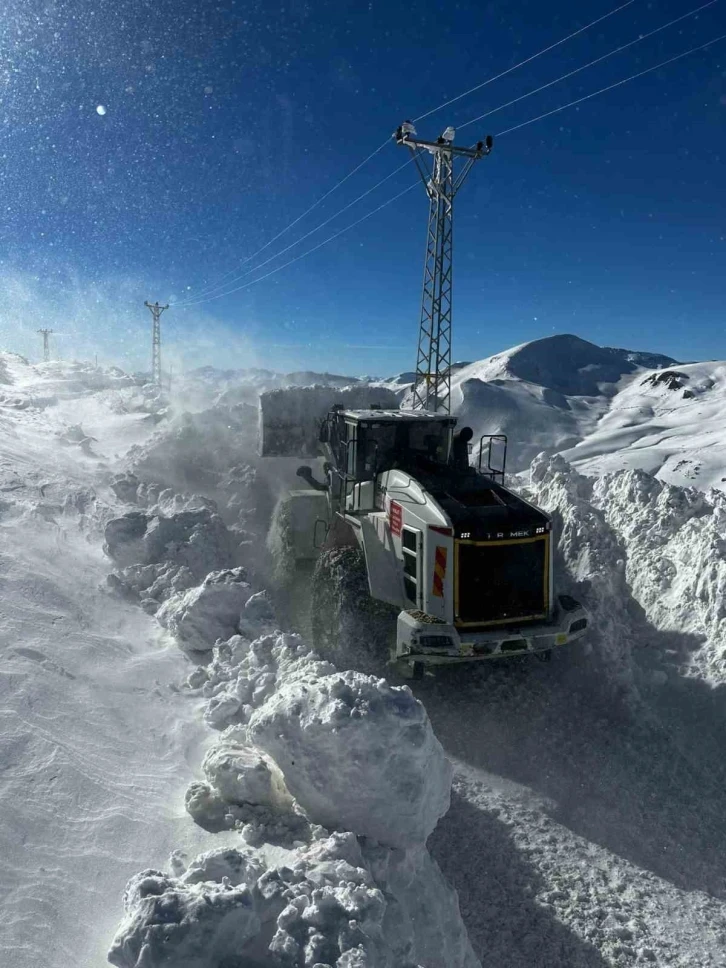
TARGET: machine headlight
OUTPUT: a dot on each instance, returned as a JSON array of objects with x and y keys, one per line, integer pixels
[{"x": 438, "y": 643}]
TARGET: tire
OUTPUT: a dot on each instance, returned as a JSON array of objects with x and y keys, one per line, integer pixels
[{"x": 348, "y": 627}]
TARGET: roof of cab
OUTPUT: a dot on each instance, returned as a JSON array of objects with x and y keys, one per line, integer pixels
[{"x": 398, "y": 415}]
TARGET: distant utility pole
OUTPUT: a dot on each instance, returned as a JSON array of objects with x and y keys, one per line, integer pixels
[
  {"x": 45, "y": 333},
  {"x": 156, "y": 310}
]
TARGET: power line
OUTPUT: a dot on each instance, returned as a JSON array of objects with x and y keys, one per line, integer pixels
[
  {"x": 201, "y": 298},
  {"x": 597, "y": 60},
  {"x": 527, "y": 60},
  {"x": 395, "y": 198},
  {"x": 610, "y": 87},
  {"x": 217, "y": 285},
  {"x": 225, "y": 279},
  {"x": 211, "y": 292},
  {"x": 307, "y": 252},
  {"x": 506, "y": 131}
]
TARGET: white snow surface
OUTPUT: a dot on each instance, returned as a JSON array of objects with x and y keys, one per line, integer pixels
[
  {"x": 96, "y": 743},
  {"x": 586, "y": 820}
]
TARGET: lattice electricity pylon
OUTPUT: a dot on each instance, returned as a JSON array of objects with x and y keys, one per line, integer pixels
[
  {"x": 432, "y": 387},
  {"x": 156, "y": 311},
  {"x": 45, "y": 333}
]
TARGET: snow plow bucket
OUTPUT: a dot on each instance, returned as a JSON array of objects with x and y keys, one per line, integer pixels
[{"x": 290, "y": 419}]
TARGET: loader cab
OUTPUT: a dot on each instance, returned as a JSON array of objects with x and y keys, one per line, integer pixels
[{"x": 360, "y": 444}]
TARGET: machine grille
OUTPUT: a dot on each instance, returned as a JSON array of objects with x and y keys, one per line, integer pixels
[{"x": 498, "y": 582}]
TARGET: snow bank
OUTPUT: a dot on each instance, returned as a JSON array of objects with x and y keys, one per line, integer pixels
[
  {"x": 676, "y": 557},
  {"x": 336, "y": 901},
  {"x": 359, "y": 754},
  {"x": 355, "y": 752},
  {"x": 130, "y": 490},
  {"x": 162, "y": 554},
  {"x": 340, "y": 771},
  {"x": 593, "y": 560},
  {"x": 628, "y": 536}
]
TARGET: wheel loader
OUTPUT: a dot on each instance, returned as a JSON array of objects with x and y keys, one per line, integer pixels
[{"x": 457, "y": 565}]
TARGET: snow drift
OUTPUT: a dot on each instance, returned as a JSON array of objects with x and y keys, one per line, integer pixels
[{"x": 341, "y": 771}]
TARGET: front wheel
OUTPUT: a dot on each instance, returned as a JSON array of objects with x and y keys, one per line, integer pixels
[{"x": 349, "y": 628}]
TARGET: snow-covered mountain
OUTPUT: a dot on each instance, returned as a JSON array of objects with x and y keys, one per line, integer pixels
[
  {"x": 548, "y": 394},
  {"x": 669, "y": 423},
  {"x": 605, "y": 409}
]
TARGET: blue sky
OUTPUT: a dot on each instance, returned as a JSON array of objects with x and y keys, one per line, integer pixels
[{"x": 149, "y": 149}]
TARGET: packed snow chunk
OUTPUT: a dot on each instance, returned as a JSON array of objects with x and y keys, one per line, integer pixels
[
  {"x": 358, "y": 754},
  {"x": 210, "y": 810},
  {"x": 211, "y": 611},
  {"x": 334, "y": 902},
  {"x": 290, "y": 418},
  {"x": 187, "y": 922},
  {"x": 197, "y": 539},
  {"x": 242, "y": 774},
  {"x": 130, "y": 490}
]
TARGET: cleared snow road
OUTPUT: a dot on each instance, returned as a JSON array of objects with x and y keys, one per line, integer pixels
[{"x": 583, "y": 830}]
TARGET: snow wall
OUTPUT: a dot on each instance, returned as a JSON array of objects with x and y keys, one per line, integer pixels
[
  {"x": 331, "y": 780},
  {"x": 641, "y": 554}
]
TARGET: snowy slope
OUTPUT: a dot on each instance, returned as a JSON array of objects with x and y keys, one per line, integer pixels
[
  {"x": 96, "y": 743},
  {"x": 669, "y": 423},
  {"x": 604, "y": 409}
]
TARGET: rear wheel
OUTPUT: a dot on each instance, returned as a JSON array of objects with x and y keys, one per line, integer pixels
[{"x": 348, "y": 627}]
